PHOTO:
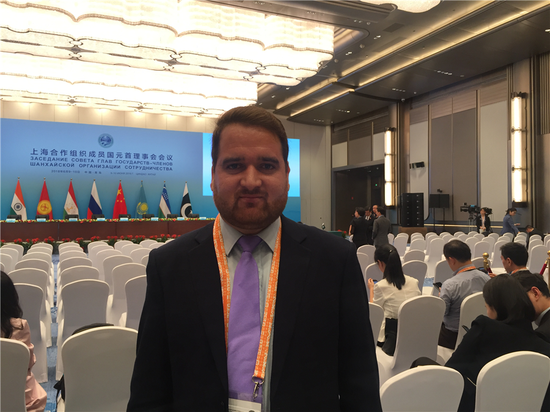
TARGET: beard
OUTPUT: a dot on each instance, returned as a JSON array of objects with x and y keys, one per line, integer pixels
[{"x": 249, "y": 217}]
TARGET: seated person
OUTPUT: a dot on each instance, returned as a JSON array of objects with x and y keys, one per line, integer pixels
[
  {"x": 465, "y": 281},
  {"x": 539, "y": 295},
  {"x": 514, "y": 258},
  {"x": 14, "y": 327},
  {"x": 483, "y": 222},
  {"x": 506, "y": 328},
  {"x": 390, "y": 292}
]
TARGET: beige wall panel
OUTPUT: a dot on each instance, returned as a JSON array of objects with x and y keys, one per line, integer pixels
[
  {"x": 178, "y": 123},
  {"x": 134, "y": 119},
  {"x": 66, "y": 114},
  {"x": 378, "y": 147},
  {"x": 89, "y": 115},
  {"x": 196, "y": 124},
  {"x": 155, "y": 121},
  {"x": 112, "y": 117},
  {"x": 42, "y": 112},
  {"x": 340, "y": 154},
  {"x": 16, "y": 110}
]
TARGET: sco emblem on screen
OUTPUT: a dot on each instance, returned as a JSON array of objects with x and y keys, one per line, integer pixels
[{"x": 105, "y": 140}]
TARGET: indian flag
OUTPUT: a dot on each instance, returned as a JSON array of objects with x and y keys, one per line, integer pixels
[
  {"x": 164, "y": 206},
  {"x": 70, "y": 203},
  {"x": 18, "y": 204}
]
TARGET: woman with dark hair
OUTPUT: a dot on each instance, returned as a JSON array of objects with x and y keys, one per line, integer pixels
[
  {"x": 508, "y": 225},
  {"x": 390, "y": 292},
  {"x": 483, "y": 222},
  {"x": 506, "y": 328},
  {"x": 14, "y": 327}
]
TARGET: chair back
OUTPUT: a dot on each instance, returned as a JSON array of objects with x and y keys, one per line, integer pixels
[
  {"x": 14, "y": 357},
  {"x": 418, "y": 326},
  {"x": 135, "y": 298},
  {"x": 436, "y": 250},
  {"x": 36, "y": 277},
  {"x": 480, "y": 248},
  {"x": 367, "y": 250},
  {"x": 373, "y": 272},
  {"x": 137, "y": 254},
  {"x": 509, "y": 236},
  {"x": 470, "y": 308},
  {"x": 534, "y": 237},
  {"x": 121, "y": 243},
  {"x": 364, "y": 261},
  {"x": 73, "y": 261},
  {"x": 122, "y": 274},
  {"x": 110, "y": 263},
  {"x": 416, "y": 269},
  {"x": 537, "y": 257},
  {"x": 478, "y": 262},
  {"x": 376, "y": 316},
  {"x": 75, "y": 273},
  {"x": 87, "y": 356},
  {"x": 103, "y": 254},
  {"x": 128, "y": 249},
  {"x": 479, "y": 236},
  {"x": 516, "y": 381},
  {"x": 63, "y": 247},
  {"x": 442, "y": 273},
  {"x": 428, "y": 388},
  {"x": 429, "y": 235},
  {"x": 495, "y": 236},
  {"x": 414, "y": 255},
  {"x": 37, "y": 254},
  {"x": 147, "y": 242},
  {"x": 7, "y": 261},
  {"x": 496, "y": 249},
  {"x": 461, "y": 236},
  {"x": 533, "y": 243},
  {"x": 156, "y": 245},
  {"x": 20, "y": 249},
  {"x": 33, "y": 263},
  {"x": 98, "y": 244},
  {"x": 391, "y": 237},
  {"x": 416, "y": 235},
  {"x": 491, "y": 241},
  {"x": 72, "y": 252},
  {"x": 15, "y": 254},
  {"x": 521, "y": 241},
  {"x": 43, "y": 245},
  {"x": 145, "y": 260},
  {"x": 93, "y": 250},
  {"x": 418, "y": 244},
  {"x": 471, "y": 242},
  {"x": 403, "y": 234},
  {"x": 400, "y": 243}
]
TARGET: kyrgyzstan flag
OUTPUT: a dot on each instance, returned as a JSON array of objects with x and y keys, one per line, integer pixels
[
  {"x": 44, "y": 206},
  {"x": 120, "y": 203}
]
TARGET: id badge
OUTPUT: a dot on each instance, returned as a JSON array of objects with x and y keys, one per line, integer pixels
[{"x": 237, "y": 405}]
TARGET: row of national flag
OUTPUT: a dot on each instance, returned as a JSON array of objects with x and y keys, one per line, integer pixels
[{"x": 94, "y": 206}]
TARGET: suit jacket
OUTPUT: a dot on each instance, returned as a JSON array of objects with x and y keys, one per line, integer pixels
[
  {"x": 487, "y": 224},
  {"x": 360, "y": 227},
  {"x": 544, "y": 327},
  {"x": 323, "y": 351},
  {"x": 487, "y": 340},
  {"x": 380, "y": 230}
]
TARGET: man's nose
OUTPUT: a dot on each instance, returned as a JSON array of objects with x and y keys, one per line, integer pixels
[{"x": 251, "y": 178}]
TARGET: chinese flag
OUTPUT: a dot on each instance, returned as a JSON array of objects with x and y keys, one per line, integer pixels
[
  {"x": 44, "y": 206},
  {"x": 120, "y": 203}
]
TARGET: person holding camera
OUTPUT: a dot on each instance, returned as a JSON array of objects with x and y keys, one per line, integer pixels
[
  {"x": 508, "y": 225},
  {"x": 483, "y": 222}
]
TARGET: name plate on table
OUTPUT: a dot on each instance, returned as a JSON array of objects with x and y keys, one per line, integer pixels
[
  {"x": 180, "y": 218},
  {"x": 73, "y": 219},
  {"x": 40, "y": 219},
  {"x": 123, "y": 219},
  {"x": 154, "y": 219},
  {"x": 203, "y": 218},
  {"x": 236, "y": 405},
  {"x": 11, "y": 220},
  {"x": 100, "y": 219}
]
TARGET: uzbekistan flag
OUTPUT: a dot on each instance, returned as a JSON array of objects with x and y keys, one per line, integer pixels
[
  {"x": 185, "y": 208},
  {"x": 18, "y": 204},
  {"x": 164, "y": 206},
  {"x": 142, "y": 207},
  {"x": 94, "y": 207},
  {"x": 70, "y": 203},
  {"x": 44, "y": 206},
  {"x": 120, "y": 203}
]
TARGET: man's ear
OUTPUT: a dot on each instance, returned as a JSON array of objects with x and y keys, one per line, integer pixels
[
  {"x": 212, "y": 179},
  {"x": 536, "y": 293}
]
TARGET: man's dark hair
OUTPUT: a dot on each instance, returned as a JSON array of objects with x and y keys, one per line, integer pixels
[
  {"x": 458, "y": 250},
  {"x": 529, "y": 280},
  {"x": 516, "y": 252},
  {"x": 382, "y": 211},
  {"x": 253, "y": 116},
  {"x": 506, "y": 296},
  {"x": 360, "y": 211},
  {"x": 529, "y": 227}
]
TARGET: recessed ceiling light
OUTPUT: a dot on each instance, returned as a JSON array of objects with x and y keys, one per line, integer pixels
[
  {"x": 348, "y": 53},
  {"x": 547, "y": 30},
  {"x": 377, "y": 37},
  {"x": 288, "y": 88},
  {"x": 273, "y": 96}
]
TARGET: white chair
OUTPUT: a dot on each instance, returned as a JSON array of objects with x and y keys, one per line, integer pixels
[
  {"x": 442, "y": 273},
  {"x": 513, "y": 382},
  {"x": 367, "y": 250},
  {"x": 419, "y": 322},
  {"x": 116, "y": 304},
  {"x": 470, "y": 308},
  {"x": 97, "y": 244},
  {"x": 418, "y": 244},
  {"x": 472, "y": 233},
  {"x": 533, "y": 243},
  {"x": 537, "y": 257},
  {"x": 416, "y": 269},
  {"x": 400, "y": 243},
  {"x": 364, "y": 261},
  {"x": 128, "y": 249},
  {"x": 402, "y": 234},
  {"x": 471, "y": 242},
  {"x": 491, "y": 241},
  {"x": 145, "y": 260},
  {"x": 69, "y": 275},
  {"x": 100, "y": 259},
  {"x": 521, "y": 241},
  {"x": 14, "y": 357},
  {"x": 147, "y": 242},
  {"x": 135, "y": 297},
  {"x": 73, "y": 261},
  {"x": 109, "y": 264},
  {"x": 94, "y": 248},
  {"x": 461, "y": 236},
  {"x": 416, "y": 235},
  {"x": 38, "y": 254},
  {"x": 373, "y": 272},
  {"x": 480, "y": 248},
  {"x": 509, "y": 236},
  {"x": 157, "y": 245},
  {"x": 41, "y": 245},
  {"x": 31, "y": 298},
  {"x": 496, "y": 250},
  {"x": 427, "y": 388},
  {"x": 3, "y": 268},
  {"x": 479, "y": 236},
  {"x": 435, "y": 250},
  {"x": 84, "y": 302},
  {"x": 391, "y": 237},
  {"x": 533, "y": 237},
  {"x": 121, "y": 243},
  {"x": 376, "y": 317},
  {"x": 138, "y": 254},
  {"x": 42, "y": 265},
  {"x": 20, "y": 249},
  {"x": 478, "y": 262},
  {"x": 68, "y": 246},
  {"x": 69, "y": 253},
  {"x": 430, "y": 235},
  {"x": 98, "y": 368},
  {"x": 7, "y": 261},
  {"x": 495, "y": 236},
  {"x": 15, "y": 254},
  {"x": 414, "y": 255}
]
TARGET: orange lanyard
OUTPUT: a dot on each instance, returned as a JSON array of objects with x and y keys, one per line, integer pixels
[
  {"x": 269, "y": 310},
  {"x": 466, "y": 269}
]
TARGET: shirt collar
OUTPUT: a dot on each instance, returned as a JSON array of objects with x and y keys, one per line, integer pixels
[
  {"x": 537, "y": 320},
  {"x": 462, "y": 267},
  {"x": 231, "y": 235}
]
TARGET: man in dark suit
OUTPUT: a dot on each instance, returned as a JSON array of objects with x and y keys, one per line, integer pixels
[
  {"x": 538, "y": 293},
  {"x": 320, "y": 354},
  {"x": 514, "y": 257},
  {"x": 381, "y": 228}
]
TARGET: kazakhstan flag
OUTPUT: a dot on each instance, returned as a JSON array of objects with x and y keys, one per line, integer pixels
[{"x": 142, "y": 206}]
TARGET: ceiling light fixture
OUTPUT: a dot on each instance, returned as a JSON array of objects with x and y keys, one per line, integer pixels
[{"x": 412, "y": 6}]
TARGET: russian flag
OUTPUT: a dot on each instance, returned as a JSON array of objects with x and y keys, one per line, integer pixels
[{"x": 94, "y": 207}]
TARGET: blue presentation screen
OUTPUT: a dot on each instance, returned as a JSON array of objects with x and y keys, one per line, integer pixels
[{"x": 59, "y": 152}]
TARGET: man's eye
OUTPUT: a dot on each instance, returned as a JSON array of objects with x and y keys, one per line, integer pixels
[
  {"x": 232, "y": 166},
  {"x": 268, "y": 166}
]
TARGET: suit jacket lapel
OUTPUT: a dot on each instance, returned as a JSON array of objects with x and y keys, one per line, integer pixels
[
  {"x": 209, "y": 297},
  {"x": 292, "y": 279}
]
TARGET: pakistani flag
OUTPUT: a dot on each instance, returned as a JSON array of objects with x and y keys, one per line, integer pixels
[
  {"x": 185, "y": 208},
  {"x": 142, "y": 206},
  {"x": 18, "y": 204},
  {"x": 164, "y": 207}
]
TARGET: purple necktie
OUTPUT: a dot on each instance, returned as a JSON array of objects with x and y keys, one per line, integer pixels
[{"x": 244, "y": 323}]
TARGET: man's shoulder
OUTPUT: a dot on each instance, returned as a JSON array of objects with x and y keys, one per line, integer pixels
[
  {"x": 185, "y": 241},
  {"x": 303, "y": 233}
]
